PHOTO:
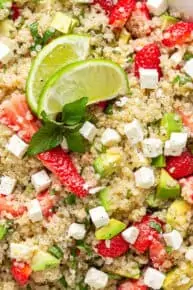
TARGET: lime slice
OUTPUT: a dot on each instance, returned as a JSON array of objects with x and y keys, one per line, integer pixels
[
  {"x": 99, "y": 80},
  {"x": 53, "y": 57}
]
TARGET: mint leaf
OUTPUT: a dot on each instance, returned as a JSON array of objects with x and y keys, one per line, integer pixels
[
  {"x": 48, "y": 137},
  {"x": 75, "y": 112},
  {"x": 71, "y": 199},
  {"x": 181, "y": 80},
  {"x": 155, "y": 226},
  {"x": 76, "y": 143}
]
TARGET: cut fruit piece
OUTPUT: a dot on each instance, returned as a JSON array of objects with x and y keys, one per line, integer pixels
[
  {"x": 170, "y": 123},
  {"x": 168, "y": 20},
  {"x": 168, "y": 187},
  {"x": 60, "y": 52},
  {"x": 43, "y": 260},
  {"x": 98, "y": 80},
  {"x": 107, "y": 163},
  {"x": 159, "y": 161},
  {"x": 105, "y": 198},
  {"x": 111, "y": 230}
]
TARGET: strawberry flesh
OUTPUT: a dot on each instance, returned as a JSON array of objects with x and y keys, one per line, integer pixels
[
  {"x": 47, "y": 203},
  {"x": 178, "y": 34},
  {"x": 157, "y": 253},
  {"x": 121, "y": 12},
  {"x": 105, "y": 4},
  {"x": 132, "y": 285},
  {"x": 180, "y": 166},
  {"x": 21, "y": 272}
]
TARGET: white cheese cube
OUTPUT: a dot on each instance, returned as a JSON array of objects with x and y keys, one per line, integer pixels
[
  {"x": 130, "y": 235},
  {"x": 110, "y": 137},
  {"x": 64, "y": 144},
  {"x": 176, "y": 58},
  {"x": 149, "y": 78},
  {"x": 21, "y": 252},
  {"x": 134, "y": 132},
  {"x": 95, "y": 190},
  {"x": 153, "y": 278},
  {"x": 180, "y": 139},
  {"x": 157, "y": 7},
  {"x": 5, "y": 53},
  {"x": 122, "y": 102},
  {"x": 188, "y": 68},
  {"x": 189, "y": 254},
  {"x": 40, "y": 180},
  {"x": 144, "y": 177},
  {"x": 34, "y": 211},
  {"x": 176, "y": 144},
  {"x": 171, "y": 149},
  {"x": 88, "y": 131},
  {"x": 99, "y": 216},
  {"x": 96, "y": 279},
  {"x": 173, "y": 239},
  {"x": 16, "y": 146},
  {"x": 7, "y": 185},
  {"x": 77, "y": 231},
  {"x": 152, "y": 147}
]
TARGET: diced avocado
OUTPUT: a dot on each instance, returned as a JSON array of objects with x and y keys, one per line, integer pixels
[
  {"x": 170, "y": 123},
  {"x": 180, "y": 278},
  {"x": 133, "y": 273},
  {"x": 178, "y": 215},
  {"x": 153, "y": 201},
  {"x": 107, "y": 163},
  {"x": 105, "y": 198},
  {"x": 113, "y": 228},
  {"x": 43, "y": 260},
  {"x": 3, "y": 231},
  {"x": 62, "y": 22},
  {"x": 168, "y": 20},
  {"x": 6, "y": 27},
  {"x": 159, "y": 161},
  {"x": 167, "y": 187},
  {"x": 124, "y": 37},
  {"x": 75, "y": 22}
]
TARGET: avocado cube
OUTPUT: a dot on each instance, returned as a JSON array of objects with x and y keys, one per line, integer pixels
[
  {"x": 107, "y": 232},
  {"x": 167, "y": 187},
  {"x": 124, "y": 37},
  {"x": 105, "y": 198},
  {"x": 159, "y": 161},
  {"x": 107, "y": 163},
  {"x": 154, "y": 202},
  {"x": 62, "y": 22},
  {"x": 43, "y": 260},
  {"x": 170, "y": 123}
]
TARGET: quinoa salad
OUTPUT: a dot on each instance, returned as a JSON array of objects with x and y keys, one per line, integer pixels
[{"x": 96, "y": 144}]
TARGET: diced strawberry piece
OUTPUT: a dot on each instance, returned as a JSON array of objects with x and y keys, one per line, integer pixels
[
  {"x": 148, "y": 58},
  {"x": 121, "y": 12},
  {"x": 178, "y": 34},
  {"x": 10, "y": 206},
  {"x": 15, "y": 12},
  {"x": 105, "y": 4},
  {"x": 146, "y": 233},
  {"x": 60, "y": 164},
  {"x": 102, "y": 105},
  {"x": 187, "y": 119},
  {"x": 132, "y": 285},
  {"x": 47, "y": 203},
  {"x": 113, "y": 248},
  {"x": 21, "y": 272},
  {"x": 15, "y": 114},
  {"x": 180, "y": 166},
  {"x": 157, "y": 253}
]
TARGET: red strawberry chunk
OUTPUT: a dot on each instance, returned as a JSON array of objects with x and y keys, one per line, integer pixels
[
  {"x": 60, "y": 164},
  {"x": 148, "y": 58},
  {"x": 157, "y": 253},
  {"x": 15, "y": 12},
  {"x": 10, "y": 206},
  {"x": 105, "y": 4},
  {"x": 113, "y": 248},
  {"x": 102, "y": 105},
  {"x": 21, "y": 272},
  {"x": 47, "y": 203},
  {"x": 180, "y": 166},
  {"x": 178, "y": 34},
  {"x": 187, "y": 119},
  {"x": 132, "y": 285},
  {"x": 121, "y": 12}
]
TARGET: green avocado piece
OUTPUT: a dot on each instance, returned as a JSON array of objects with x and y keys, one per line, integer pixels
[
  {"x": 132, "y": 272},
  {"x": 43, "y": 260},
  {"x": 167, "y": 187},
  {"x": 105, "y": 198},
  {"x": 168, "y": 20},
  {"x": 107, "y": 163},
  {"x": 62, "y": 22},
  {"x": 170, "y": 123},
  {"x": 159, "y": 161},
  {"x": 154, "y": 202},
  {"x": 3, "y": 231},
  {"x": 107, "y": 232}
]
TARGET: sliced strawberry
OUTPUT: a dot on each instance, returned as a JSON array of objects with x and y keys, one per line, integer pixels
[
  {"x": 15, "y": 11},
  {"x": 157, "y": 253},
  {"x": 121, "y": 12},
  {"x": 21, "y": 272},
  {"x": 148, "y": 58},
  {"x": 60, "y": 164},
  {"x": 10, "y": 206},
  {"x": 47, "y": 203},
  {"x": 178, "y": 34},
  {"x": 105, "y": 4},
  {"x": 15, "y": 114},
  {"x": 132, "y": 285},
  {"x": 113, "y": 248},
  {"x": 180, "y": 166},
  {"x": 187, "y": 119}
]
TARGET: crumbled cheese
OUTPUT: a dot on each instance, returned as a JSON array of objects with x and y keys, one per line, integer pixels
[
  {"x": 16, "y": 146},
  {"x": 110, "y": 137},
  {"x": 153, "y": 278},
  {"x": 34, "y": 211},
  {"x": 21, "y": 252},
  {"x": 188, "y": 68},
  {"x": 130, "y": 234},
  {"x": 173, "y": 239},
  {"x": 96, "y": 279},
  {"x": 40, "y": 180},
  {"x": 176, "y": 144},
  {"x": 7, "y": 185},
  {"x": 122, "y": 102},
  {"x": 149, "y": 78},
  {"x": 77, "y": 231},
  {"x": 144, "y": 177},
  {"x": 95, "y": 190},
  {"x": 99, "y": 216},
  {"x": 88, "y": 131},
  {"x": 157, "y": 7},
  {"x": 5, "y": 53},
  {"x": 134, "y": 132},
  {"x": 152, "y": 147},
  {"x": 189, "y": 254}
]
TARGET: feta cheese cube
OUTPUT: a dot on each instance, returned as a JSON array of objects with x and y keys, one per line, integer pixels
[
  {"x": 99, "y": 216},
  {"x": 122, "y": 102},
  {"x": 172, "y": 150},
  {"x": 149, "y": 78},
  {"x": 176, "y": 58},
  {"x": 40, "y": 180},
  {"x": 110, "y": 137},
  {"x": 144, "y": 177},
  {"x": 157, "y": 7},
  {"x": 77, "y": 231},
  {"x": 21, "y": 252},
  {"x": 95, "y": 190},
  {"x": 130, "y": 235},
  {"x": 34, "y": 211},
  {"x": 189, "y": 254},
  {"x": 180, "y": 139},
  {"x": 96, "y": 279},
  {"x": 134, "y": 132},
  {"x": 153, "y": 278},
  {"x": 176, "y": 144},
  {"x": 7, "y": 185},
  {"x": 64, "y": 144},
  {"x": 16, "y": 146},
  {"x": 188, "y": 68},
  {"x": 5, "y": 53},
  {"x": 173, "y": 239},
  {"x": 152, "y": 147},
  {"x": 88, "y": 131}
]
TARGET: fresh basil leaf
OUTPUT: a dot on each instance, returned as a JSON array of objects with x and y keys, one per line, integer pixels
[
  {"x": 76, "y": 142},
  {"x": 48, "y": 137},
  {"x": 155, "y": 226},
  {"x": 74, "y": 113}
]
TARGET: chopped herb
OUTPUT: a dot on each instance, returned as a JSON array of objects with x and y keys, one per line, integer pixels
[
  {"x": 63, "y": 282},
  {"x": 40, "y": 41},
  {"x": 169, "y": 249},
  {"x": 109, "y": 109},
  {"x": 82, "y": 246},
  {"x": 52, "y": 192},
  {"x": 188, "y": 56},
  {"x": 56, "y": 251},
  {"x": 3, "y": 231},
  {"x": 82, "y": 286},
  {"x": 28, "y": 287},
  {"x": 76, "y": 142},
  {"x": 114, "y": 276},
  {"x": 155, "y": 226},
  {"x": 74, "y": 113},
  {"x": 71, "y": 199},
  {"x": 182, "y": 80},
  {"x": 130, "y": 59},
  {"x": 48, "y": 35}
]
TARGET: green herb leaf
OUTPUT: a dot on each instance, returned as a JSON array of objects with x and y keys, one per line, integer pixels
[
  {"x": 74, "y": 113},
  {"x": 48, "y": 34},
  {"x": 188, "y": 56},
  {"x": 169, "y": 249},
  {"x": 109, "y": 109},
  {"x": 63, "y": 282},
  {"x": 75, "y": 141},
  {"x": 71, "y": 199},
  {"x": 155, "y": 226},
  {"x": 82, "y": 286},
  {"x": 56, "y": 251},
  {"x": 82, "y": 246},
  {"x": 181, "y": 80},
  {"x": 48, "y": 137}
]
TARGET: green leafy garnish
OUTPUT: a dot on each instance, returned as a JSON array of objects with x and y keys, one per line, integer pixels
[
  {"x": 56, "y": 251},
  {"x": 74, "y": 113},
  {"x": 63, "y": 282},
  {"x": 188, "y": 56},
  {"x": 155, "y": 226},
  {"x": 82, "y": 286},
  {"x": 181, "y": 80},
  {"x": 3, "y": 231},
  {"x": 76, "y": 142},
  {"x": 169, "y": 249},
  {"x": 82, "y": 246},
  {"x": 109, "y": 109},
  {"x": 71, "y": 199},
  {"x": 37, "y": 38}
]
